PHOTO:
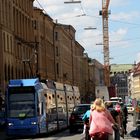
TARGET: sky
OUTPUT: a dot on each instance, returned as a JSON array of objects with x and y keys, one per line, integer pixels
[{"x": 124, "y": 26}]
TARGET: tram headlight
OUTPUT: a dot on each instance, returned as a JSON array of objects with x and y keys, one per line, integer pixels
[
  {"x": 10, "y": 124},
  {"x": 33, "y": 123}
]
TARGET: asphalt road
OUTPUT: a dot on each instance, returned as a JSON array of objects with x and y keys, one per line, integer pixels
[{"x": 65, "y": 135}]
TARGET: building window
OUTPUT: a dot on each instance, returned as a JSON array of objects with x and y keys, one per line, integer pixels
[
  {"x": 5, "y": 72},
  {"x": 9, "y": 75},
  {"x": 57, "y": 51},
  {"x": 11, "y": 45},
  {"x": 57, "y": 68},
  {"x": 56, "y": 35},
  {"x": 4, "y": 46},
  {"x": 34, "y": 24},
  {"x": 7, "y": 42}
]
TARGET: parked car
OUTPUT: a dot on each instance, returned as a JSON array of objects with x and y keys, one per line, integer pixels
[
  {"x": 130, "y": 108},
  {"x": 75, "y": 120}
]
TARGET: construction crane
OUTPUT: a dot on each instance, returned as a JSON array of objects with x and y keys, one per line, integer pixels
[{"x": 105, "y": 13}]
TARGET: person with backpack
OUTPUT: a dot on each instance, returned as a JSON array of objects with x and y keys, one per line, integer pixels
[
  {"x": 100, "y": 121},
  {"x": 85, "y": 118},
  {"x": 116, "y": 116}
]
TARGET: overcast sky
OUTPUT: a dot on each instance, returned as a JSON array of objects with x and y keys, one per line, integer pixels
[{"x": 124, "y": 26}]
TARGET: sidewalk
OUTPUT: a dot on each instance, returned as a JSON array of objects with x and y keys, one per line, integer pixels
[{"x": 130, "y": 127}]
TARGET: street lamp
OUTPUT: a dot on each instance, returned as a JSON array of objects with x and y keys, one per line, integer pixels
[{"x": 72, "y": 2}]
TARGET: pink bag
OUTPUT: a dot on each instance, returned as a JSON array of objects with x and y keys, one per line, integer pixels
[{"x": 100, "y": 122}]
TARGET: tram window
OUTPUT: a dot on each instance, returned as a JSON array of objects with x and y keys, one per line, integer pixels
[
  {"x": 53, "y": 110},
  {"x": 60, "y": 109}
]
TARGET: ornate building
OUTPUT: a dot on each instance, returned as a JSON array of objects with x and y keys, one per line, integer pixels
[{"x": 119, "y": 78}]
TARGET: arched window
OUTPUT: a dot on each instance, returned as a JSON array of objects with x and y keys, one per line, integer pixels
[
  {"x": 5, "y": 69},
  {"x": 9, "y": 75}
]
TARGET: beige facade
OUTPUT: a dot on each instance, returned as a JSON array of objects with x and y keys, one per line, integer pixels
[
  {"x": 78, "y": 66},
  {"x": 136, "y": 82},
  {"x": 15, "y": 32},
  {"x": 46, "y": 52},
  {"x": 33, "y": 45},
  {"x": 64, "y": 53}
]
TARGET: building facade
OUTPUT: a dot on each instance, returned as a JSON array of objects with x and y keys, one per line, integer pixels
[
  {"x": 135, "y": 94},
  {"x": 119, "y": 78},
  {"x": 16, "y": 30},
  {"x": 33, "y": 45}
]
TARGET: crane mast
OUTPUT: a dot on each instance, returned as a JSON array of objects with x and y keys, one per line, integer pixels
[{"x": 104, "y": 13}]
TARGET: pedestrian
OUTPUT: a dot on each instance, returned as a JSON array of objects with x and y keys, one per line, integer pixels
[
  {"x": 100, "y": 121},
  {"x": 125, "y": 116},
  {"x": 118, "y": 108},
  {"x": 116, "y": 117},
  {"x": 85, "y": 118}
]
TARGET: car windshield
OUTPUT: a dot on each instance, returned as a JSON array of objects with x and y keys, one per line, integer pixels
[{"x": 81, "y": 109}]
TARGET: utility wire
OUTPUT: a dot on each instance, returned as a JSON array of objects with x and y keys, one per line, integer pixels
[
  {"x": 116, "y": 20},
  {"x": 82, "y": 9},
  {"x": 84, "y": 13},
  {"x": 41, "y": 6}
]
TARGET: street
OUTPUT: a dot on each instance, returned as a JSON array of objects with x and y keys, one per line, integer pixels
[{"x": 65, "y": 135}]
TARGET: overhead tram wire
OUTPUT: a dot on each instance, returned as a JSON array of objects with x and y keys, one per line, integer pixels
[
  {"x": 125, "y": 55},
  {"x": 41, "y": 6},
  {"x": 83, "y": 14},
  {"x": 94, "y": 16},
  {"x": 82, "y": 9}
]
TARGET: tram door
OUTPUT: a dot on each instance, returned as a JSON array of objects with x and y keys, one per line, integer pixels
[
  {"x": 61, "y": 105},
  {"x": 51, "y": 107},
  {"x": 70, "y": 98},
  {"x": 76, "y": 95}
]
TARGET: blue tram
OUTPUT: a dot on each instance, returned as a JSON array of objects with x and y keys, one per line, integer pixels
[
  {"x": 34, "y": 107},
  {"x": 25, "y": 107}
]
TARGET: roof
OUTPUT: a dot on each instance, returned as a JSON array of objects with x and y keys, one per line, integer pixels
[
  {"x": 137, "y": 69},
  {"x": 121, "y": 67}
]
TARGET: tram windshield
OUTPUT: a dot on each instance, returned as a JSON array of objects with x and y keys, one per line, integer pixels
[{"x": 21, "y": 105}]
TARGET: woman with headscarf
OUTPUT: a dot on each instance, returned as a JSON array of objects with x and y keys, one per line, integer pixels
[{"x": 100, "y": 121}]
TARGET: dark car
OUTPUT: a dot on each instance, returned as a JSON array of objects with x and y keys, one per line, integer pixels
[
  {"x": 2, "y": 119},
  {"x": 75, "y": 120}
]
